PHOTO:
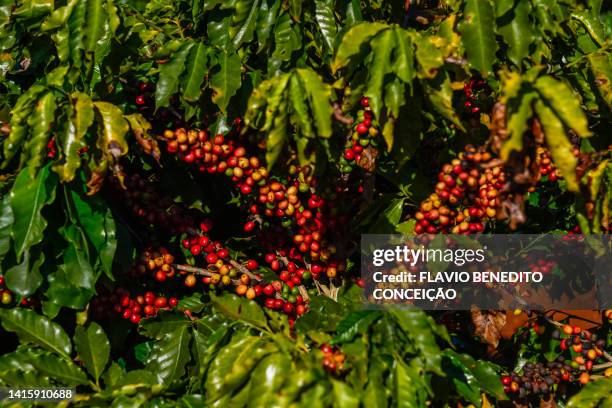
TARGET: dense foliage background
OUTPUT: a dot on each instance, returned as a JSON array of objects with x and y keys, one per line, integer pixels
[{"x": 184, "y": 183}]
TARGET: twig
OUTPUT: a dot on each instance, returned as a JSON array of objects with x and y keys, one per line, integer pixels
[
  {"x": 339, "y": 115},
  {"x": 244, "y": 270}
]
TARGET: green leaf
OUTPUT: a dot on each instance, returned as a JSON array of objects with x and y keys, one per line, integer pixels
[
  {"x": 267, "y": 380},
  {"x": 93, "y": 348},
  {"x": 344, "y": 395},
  {"x": 324, "y": 16},
  {"x": 76, "y": 266},
  {"x": 40, "y": 122},
  {"x": 169, "y": 74},
  {"x": 95, "y": 24},
  {"x": 300, "y": 116},
  {"x": 389, "y": 216},
  {"x": 170, "y": 355},
  {"x": 565, "y": 103},
  {"x": 440, "y": 95},
  {"x": 58, "y": 369},
  {"x": 419, "y": 327},
  {"x": 28, "y": 197},
  {"x": 226, "y": 79},
  {"x": 97, "y": 222},
  {"x": 352, "y": 42},
  {"x": 515, "y": 27},
  {"x": 520, "y": 111},
  {"x": 245, "y": 18},
  {"x": 58, "y": 17},
  {"x": 478, "y": 29},
  {"x": 19, "y": 122},
  {"x": 197, "y": 67},
  {"x": 114, "y": 128},
  {"x": 594, "y": 394},
  {"x": 163, "y": 324},
  {"x": 266, "y": 18},
  {"x": 6, "y": 222},
  {"x": 408, "y": 385},
  {"x": 240, "y": 308},
  {"x": 600, "y": 65},
  {"x": 72, "y": 139},
  {"x": 476, "y": 377},
  {"x": 403, "y": 63},
  {"x": 559, "y": 145},
  {"x": 355, "y": 323},
  {"x": 35, "y": 329},
  {"x": 24, "y": 278},
  {"x": 319, "y": 96},
  {"x": 382, "y": 45}
]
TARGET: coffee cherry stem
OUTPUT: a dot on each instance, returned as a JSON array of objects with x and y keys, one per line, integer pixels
[
  {"x": 200, "y": 271},
  {"x": 244, "y": 270}
]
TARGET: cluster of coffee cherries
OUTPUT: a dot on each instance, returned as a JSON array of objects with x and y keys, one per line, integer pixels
[
  {"x": 51, "y": 148},
  {"x": 6, "y": 297},
  {"x": 543, "y": 265},
  {"x": 141, "y": 198},
  {"x": 333, "y": 358},
  {"x": 537, "y": 378},
  {"x": 144, "y": 98},
  {"x": 545, "y": 164},
  {"x": 364, "y": 134},
  {"x": 132, "y": 308},
  {"x": 586, "y": 346},
  {"x": 466, "y": 197},
  {"x": 158, "y": 263},
  {"x": 475, "y": 92},
  {"x": 289, "y": 200}
]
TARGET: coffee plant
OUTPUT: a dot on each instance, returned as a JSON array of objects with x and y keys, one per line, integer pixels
[{"x": 183, "y": 184}]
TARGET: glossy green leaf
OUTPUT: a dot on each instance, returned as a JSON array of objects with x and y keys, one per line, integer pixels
[
  {"x": 518, "y": 121},
  {"x": 24, "y": 278},
  {"x": 59, "y": 369},
  {"x": 6, "y": 223},
  {"x": 161, "y": 325},
  {"x": 515, "y": 27},
  {"x": 170, "y": 355},
  {"x": 559, "y": 144},
  {"x": 196, "y": 70},
  {"x": 600, "y": 65},
  {"x": 244, "y": 21},
  {"x": 169, "y": 75},
  {"x": 40, "y": 123},
  {"x": 93, "y": 348},
  {"x": 440, "y": 95},
  {"x": 19, "y": 122},
  {"x": 355, "y": 323},
  {"x": 98, "y": 225},
  {"x": 114, "y": 128},
  {"x": 382, "y": 46},
  {"x": 240, "y": 308},
  {"x": 565, "y": 103},
  {"x": 418, "y": 326},
  {"x": 95, "y": 23},
  {"x": 352, "y": 42},
  {"x": 478, "y": 29},
  {"x": 35, "y": 329},
  {"x": 407, "y": 385},
  {"x": 72, "y": 139},
  {"x": 326, "y": 22},
  {"x": 226, "y": 79},
  {"x": 594, "y": 394},
  {"x": 403, "y": 63},
  {"x": 267, "y": 380},
  {"x": 319, "y": 95},
  {"x": 28, "y": 197}
]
